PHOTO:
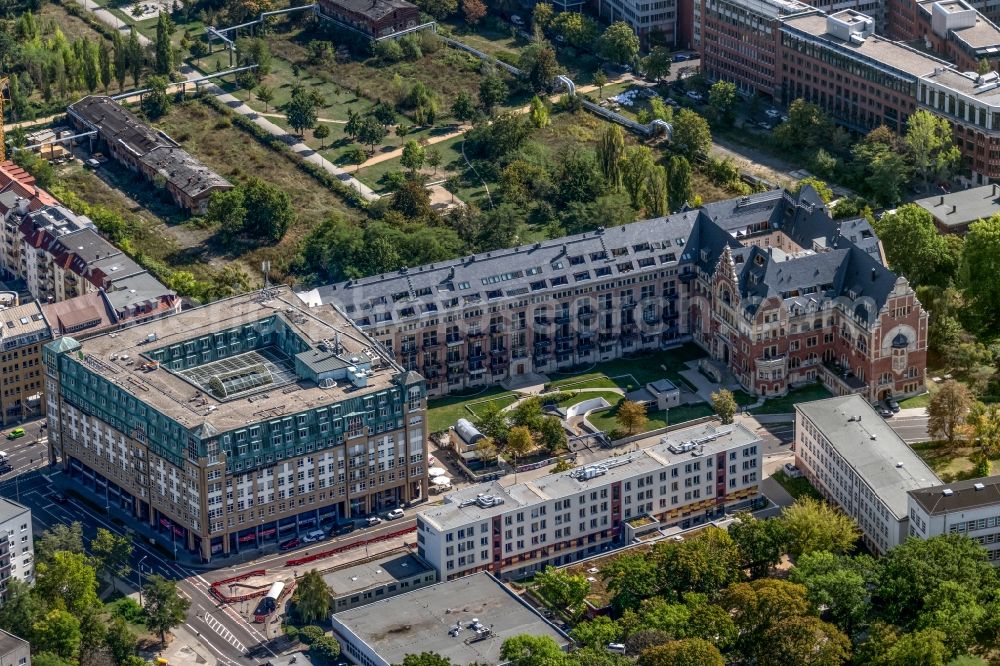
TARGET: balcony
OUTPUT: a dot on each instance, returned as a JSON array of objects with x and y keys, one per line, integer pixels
[
  {"x": 585, "y": 314},
  {"x": 672, "y": 296},
  {"x": 519, "y": 352},
  {"x": 563, "y": 335},
  {"x": 497, "y": 329},
  {"x": 408, "y": 348},
  {"x": 542, "y": 358},
  {"x": 770, "y": 362},
  {"x": 475, "y": 334},
  {"x": 431, "y": 344},
  {"x": 542, "y": 343},
  {"x": 542, "y": 321},
  {"x": 477, "y": 355},
  {"x": 627, "y": 305},
  {"x": 837, "y": 375},
  {"x": 562, "y": 318},
  {"x": 452, "y": 340},
  {"x": 499, "y": 351},
  {"x": 432, "y": 365}
]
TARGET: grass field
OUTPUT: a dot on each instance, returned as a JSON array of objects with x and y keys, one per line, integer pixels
[
  {"x": 605, "y": 420},
  {"x": 443, "y": 412},
  {"x": 951, "y": 463},
  {"x": 786, "y": 403},
  {"x": 797, "y": 488},
  {"x": 632, "y": 372},
  {"x": 237, "y": 156},
  {"x": 612, "y": 398}
]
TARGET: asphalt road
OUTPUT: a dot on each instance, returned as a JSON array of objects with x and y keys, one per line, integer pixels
[
  {"x": 912, "y": 427},
  {"x": 26, "y": 453}
]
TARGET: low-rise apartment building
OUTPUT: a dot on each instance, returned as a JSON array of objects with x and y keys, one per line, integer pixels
[
  {"x": 240, "y": 422},
  {"x": 767, "y": 284},
  {"x": 858, "y": 463},
  {"x": 689, "y": 477},
  {"x": 17, "y": 544},
  {"x": 970, "y": 507},
  {"x": 14, "y": 651},
  {"x": 23, "y": 333},
  {"x": 148, "y": 151}
]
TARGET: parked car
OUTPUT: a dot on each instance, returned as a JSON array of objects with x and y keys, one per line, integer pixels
[
  {"x": 395, "y": 514},
  {"x": 682, "y": 57},
  {"x": 4, "y": 468},
  {"x": 290, "y": 544},
  {"x": 891, "y": 404},
  {"x": 695, "y": 95},
  {"x": 372, "y": 521},
  {"x": 15, "y": 433},
  {"x": 314, "y": 536},
  {"x": 792, "y": 471},
  {"x": 341, "y": 530},
  {"x": 771, "y": 113},
  {"x": 884, "y": 412}
]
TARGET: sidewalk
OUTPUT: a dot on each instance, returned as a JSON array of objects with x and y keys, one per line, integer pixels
[{"x": 110, "y": 20}]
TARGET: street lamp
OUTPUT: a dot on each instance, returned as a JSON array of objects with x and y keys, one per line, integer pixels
[{"x": 139, "y": 571}]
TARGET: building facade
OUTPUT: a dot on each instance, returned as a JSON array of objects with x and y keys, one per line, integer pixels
[
  {"x": 240, "y": 422},
  {"x": 23, "y": 333},
  {"x": 148, "y": 151},
  {"x": 770, "y": 286},
  {"x": 857, "y": 462},
  {"x": 970, "y": 507},
  {"x": 378, "y": 18},
  {"x": 17, "y": 545},
  {"x": 692, "y": 476},
  {"x": 376, "y": 579},
  {"x": 654, "y": 21},
  {"x": 14, "y": 651}
]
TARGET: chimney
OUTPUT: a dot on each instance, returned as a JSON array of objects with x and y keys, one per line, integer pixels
[
  {"x": 874, "y": 274},
  {"x": 22, "y": 206},
  {"x": 953, "y": 209},
  {"x": 941, "y": 200}
]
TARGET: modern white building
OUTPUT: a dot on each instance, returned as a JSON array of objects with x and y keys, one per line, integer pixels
[
  {"x": 16, "y": 540},
  {"x": 969, "y": 507},
  {"x": 852, "y": 456},
  {"x": 685, "y": 478}
]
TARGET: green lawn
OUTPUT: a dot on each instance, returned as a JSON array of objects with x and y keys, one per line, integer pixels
[
  {"x": 786, "y": 403},
  {"x": 951, "y": 463},
  {"x": 612, "y": 397},
  {"x": 605, "y": 420},
  {"x": 921, "y": 400},
  {"x": 632, "y": 372},
  {"x": 443, "y": 412},
  {"x": 797, "y": 488}
]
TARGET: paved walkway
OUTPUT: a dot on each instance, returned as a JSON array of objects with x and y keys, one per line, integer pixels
[
  {"x": 109, "y": 19},
  {"x": 384, "y": 157}
]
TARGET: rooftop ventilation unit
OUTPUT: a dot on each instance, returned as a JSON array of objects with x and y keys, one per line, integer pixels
[{"x": 589, "y": 472}]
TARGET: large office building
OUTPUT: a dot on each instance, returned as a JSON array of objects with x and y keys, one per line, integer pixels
[
  {"x": 23, "y": 332},
  {"x": 857, "y": 462},
  {"x": 238, "y": 422},
  {"x": 16, "y": 544},
  {"x": 688, "y": 477},
  {"x": 767, "y": 284},
  {"x": 655, "y": 22},
  {"x": 970, "y": 507}
]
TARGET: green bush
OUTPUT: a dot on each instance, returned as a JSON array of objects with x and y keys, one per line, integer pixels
[
  {"x": 324, "y": 651},
  {"x": 311, "y": 634},
  {"x": 127, "y": 609}
]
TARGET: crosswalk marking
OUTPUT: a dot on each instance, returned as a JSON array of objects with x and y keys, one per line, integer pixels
[{"x": 227, "y": 635}]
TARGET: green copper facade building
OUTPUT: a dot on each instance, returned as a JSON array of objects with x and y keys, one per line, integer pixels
[{"x": 241, "y": 422}]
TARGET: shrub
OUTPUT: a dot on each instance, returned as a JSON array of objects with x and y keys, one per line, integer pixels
[
  {"x": 128, "y": 609},
  {"x": 311, "y": 634}
]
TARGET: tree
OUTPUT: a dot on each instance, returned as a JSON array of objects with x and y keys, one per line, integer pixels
[
  {"x": 947, "y": 410},
  {"x": 684, "y": 652},
  {"x": 691, "y": 133},
  {"x": 519, "y": 441},
  {"x": 265, "y": 94},
  {"x": 156, "y": 102},
  {"x": 527, "y": 650},
  {"x": 474, "y": 11},
  {"x": 724, "y": 404},
  {"x": 539, "y": 61},
  {"x": 269, "y": 210},
  {"x": 563, "y": 589},
  {"x": 371, "y": 132},
  {"x": 462, "y": 108},
  {"x": 321, "y": 132},
  {"x": 679, "y": 186},
  {"x": 246, "y": 80},
  {"x": 389, "y": 51},
  {"x": 300, "y": 111},
  {"x": 91, "y": 67},
  {"x": 104, "y": 63},
  {"x": 164, "y": 607},
  {"x": 68, "y": 581},
  {"x": 822, "y": 189},
  {"x": 657, "y": 193},
  {"x": 803, "y": 641},
  {"x": 596, "y": 633},
  {"x": 814, "y": 525},
  {"x": 325, "y": 651},
  {"x": 637, "y": 168},
  {"x": 255, "y": 51},
  {"x": 761, "y": 543},
  {"x": 883, "y": 166},
  {"x": 611, "y": 153},
  {"x": 914, "y": 247},
  {"x": 413, "y": 157},
  {"x": 552, "y": 435},
  {"x": 542, "y": 15},
  {"x": 980, "y": 258},
  {"x": 60, "y": 537},
  {"x": 121, "y": 65},
  {"x": 112, "y": 553},
  {"x": 929, "y": 140},
  {"x": 433, "y": 158},
  {"x": 21, "y": 608},
  {"x": 578, "y": 29},
  {"x": 807, "y": 127},
  {"x": 538, "y": 113},
  {"x": 619, "y": 43},
  {"x": 702, "y": 564},
  {"x": 836, "y": 585},
  {"x": 426, "y": 659},
  {"x": 631, "y": 578},
  {"x": 120, "y": 640},
  {"x": 722, "y": 99},
  {"x": 631, "y": 415},
  {"x": 656, "y": 64},
  {"x": 164, "y": 50},
  {"x": 49, "y": 659},
  {"x": 600, "y": 80},
  {"x": 58, "y": 632},
  {"x": 492, "y": 91},
  {"x": 384, "y": 113},
  {"x": 758, "y": 605},
  {"x": 439, "y": 9}
]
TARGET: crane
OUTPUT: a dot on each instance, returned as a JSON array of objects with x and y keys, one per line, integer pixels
[{"x": 4, "y": 84}]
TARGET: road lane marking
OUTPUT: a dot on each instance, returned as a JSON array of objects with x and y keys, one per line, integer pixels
[{"x": 226, "y": 635}]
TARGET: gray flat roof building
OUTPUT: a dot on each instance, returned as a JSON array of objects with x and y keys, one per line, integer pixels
[
  {"x": 14, "y": 651},
  {"x": 954, "y": 212},
  {"x": 394, "y": 574},
  {"x": 384, "y": 632},
  {"x": 963, "y": 495}
]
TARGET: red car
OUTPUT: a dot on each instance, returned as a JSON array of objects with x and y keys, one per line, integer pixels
[{"x": 290, "y": 544}]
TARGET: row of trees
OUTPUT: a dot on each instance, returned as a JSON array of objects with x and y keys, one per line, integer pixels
[
  {"x": 518, "y": 431},
  {"x": 63, "y": 617}
]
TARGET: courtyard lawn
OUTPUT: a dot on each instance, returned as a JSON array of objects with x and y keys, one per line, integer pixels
[
  {"x": 605, "y": 420},
  {"x": 797, "y": 488},
  {"x": 786, "y": 403},
  {"x": 951, "y": 463},
  {"x": 443, "y": 412},
  {"x": 612, "y": 398},
  {"x": 633, "y": 372}
]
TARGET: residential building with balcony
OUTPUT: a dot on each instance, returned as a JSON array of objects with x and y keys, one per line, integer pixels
[
  {"x": 688, "y": 477},
  {"x": 16, "y": 545},
  {"x": 858, "y": 463},
  {"x": 237, "y": 423},
  {"x": 767, "y": 284},
  {"x": 970, "y": 507},
  {"x": 23, "y": 333}
]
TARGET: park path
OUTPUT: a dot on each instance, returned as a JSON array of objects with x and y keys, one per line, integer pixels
[
  {"x": 284, "y": 117},
  {"x": 397, "y": 152},
  {"x": 109, "y": 19}
]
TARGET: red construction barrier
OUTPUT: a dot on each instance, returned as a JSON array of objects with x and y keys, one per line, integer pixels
[
  {"x": 340, "y": 549},
  {"x": 216, "y": 587}
]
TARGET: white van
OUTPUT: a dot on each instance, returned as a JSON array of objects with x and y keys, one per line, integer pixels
[{"x": 314, "y": 536}]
